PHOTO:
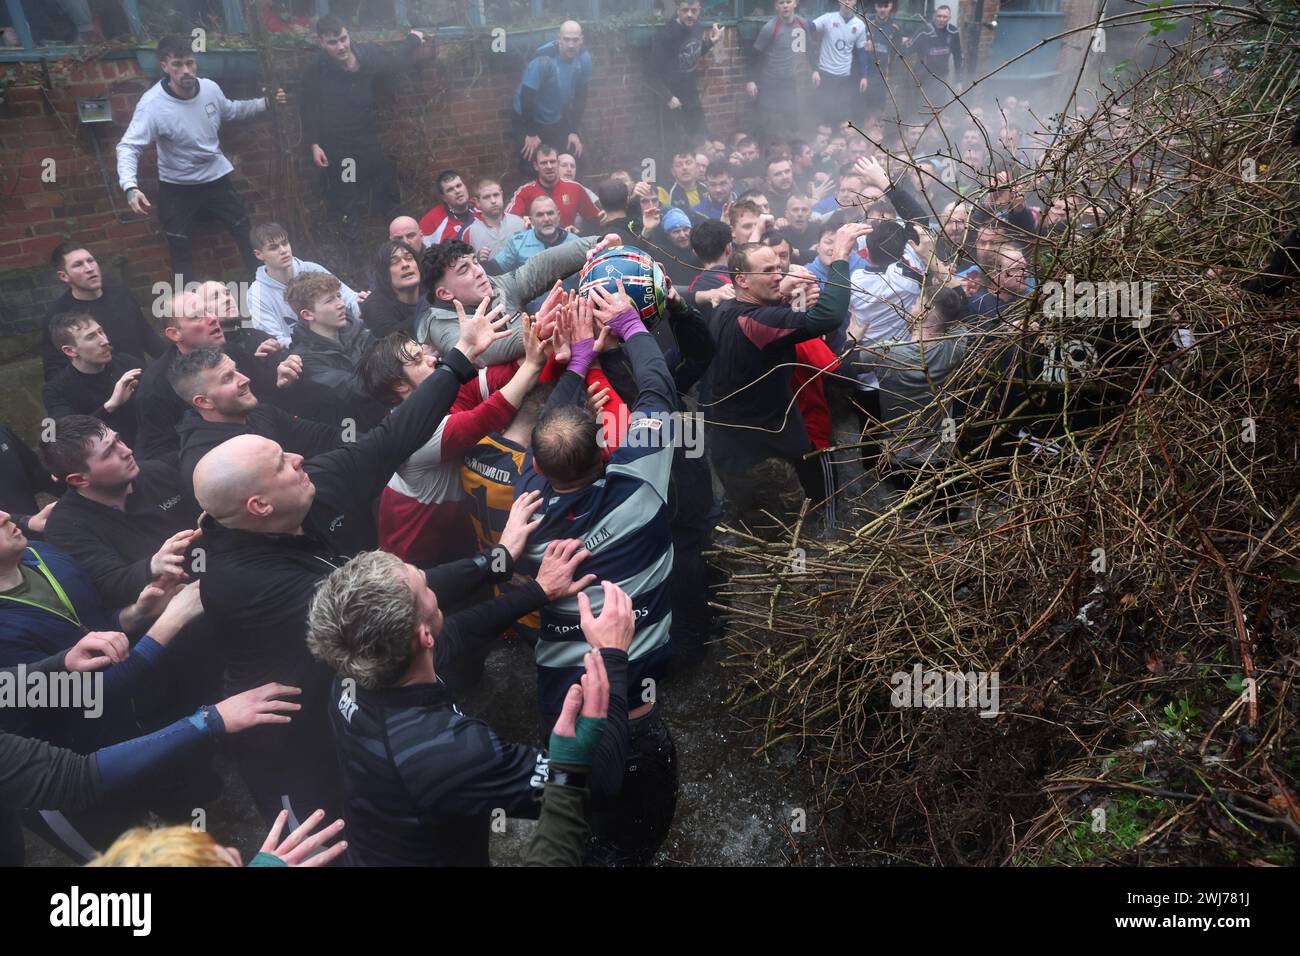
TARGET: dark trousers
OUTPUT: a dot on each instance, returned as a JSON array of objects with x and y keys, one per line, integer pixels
[
  {"x": 629, "y": 830},
  {"x": 766, "y": 493},
  {"x": 180, "y": 205},
  {"x": 817, "y": 476},
  {"x": 837, "y": 96},
  {"x": 878, "y": 101},
  {"x": 693, "y": 519},
  {"x": 866, "y": 403},
  {"x": 294, "y": 771},
  {"x": 360, "y": 190},
  {"x": 550, "y": 134},
  {"x": 1282, "y": 269},
  {"x": 681, "y": 124},
  {"x": 778, "y": 110}
]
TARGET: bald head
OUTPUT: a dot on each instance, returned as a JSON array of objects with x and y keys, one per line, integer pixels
[
  {"x": 250, "y": 482},
  {"x": 226, "y": 477},
  {"x": 569, "y": 39},
  {"x": 407, "y": 230}
]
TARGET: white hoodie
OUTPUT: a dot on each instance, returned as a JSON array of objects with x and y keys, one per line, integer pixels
[
  {"x": 269, "y": 311},
  {"x": 186, "y": 131}
]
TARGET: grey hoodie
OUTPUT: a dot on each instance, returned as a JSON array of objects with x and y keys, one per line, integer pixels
[
  {"x": 440, "y": 328},
  {"x": 271, "y": 313}
]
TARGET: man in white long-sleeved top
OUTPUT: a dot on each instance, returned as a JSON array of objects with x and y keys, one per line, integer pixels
[{"x": 183, "y": 114}]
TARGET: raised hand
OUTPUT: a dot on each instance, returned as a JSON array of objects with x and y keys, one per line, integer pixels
[
  {"x": 846, "y": 239},
  {"x": 170, "y": 558},
  {"x": 534, "y": 346},
  {"x": 562, "y": 335},
  {"x": 869, "y": 168},
  {"x": 519, "y": 525},
  {"x": 297, "y": 848},
  {"x": 480, "y": 330},
  {"x": 597, "y": 397},
  {"x": 123, "y": 390},
  {"x": 549, "y": 313},
  {"x": 258, "y": 706},
  {"x": 607, "y": 306},
  {"x": 582, "y": 326}
]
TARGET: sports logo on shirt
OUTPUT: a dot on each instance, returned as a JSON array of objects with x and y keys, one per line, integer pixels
[{"x": 688, "y": 56}]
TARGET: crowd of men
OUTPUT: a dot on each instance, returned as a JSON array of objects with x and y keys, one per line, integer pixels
[{"x": 302, "y": 521}]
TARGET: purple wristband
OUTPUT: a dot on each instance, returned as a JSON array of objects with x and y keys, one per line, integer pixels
[
  {"x": 627, "y": 324},
  {"x": 581, "y": 355}
]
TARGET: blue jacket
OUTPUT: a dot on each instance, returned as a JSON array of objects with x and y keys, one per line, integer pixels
[
  {"x": 557, "y": 88},
  {"x": 522, "y": 246},
  {"x": 29, "y": 634}
]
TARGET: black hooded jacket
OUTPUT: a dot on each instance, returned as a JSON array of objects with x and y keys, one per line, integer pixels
[
  {"x": 115, "y": 547},
  {"x": 160, "y": 408},
  {"x": 258, "y": 586},
  {"x": 331, "y": 384},
  {"x": 298, "y": 435}
]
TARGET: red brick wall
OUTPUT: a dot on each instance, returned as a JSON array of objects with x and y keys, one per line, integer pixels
[
  {"x": 456, "y": 113},
  {"x": 38, "y": 123}
]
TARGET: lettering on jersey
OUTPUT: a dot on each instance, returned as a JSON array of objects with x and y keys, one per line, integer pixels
[
  {"x": 348, "y": 699},
  {"x": 541, "y": 772},
  {"x": 559, "y": 629},
  {"x": 499, "y": 475},
  {"x": 597, "y": 538},
  {"x": 169, "y": 504}
]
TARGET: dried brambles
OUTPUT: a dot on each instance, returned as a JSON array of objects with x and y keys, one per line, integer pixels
[{"x": 1133, "y": 584}]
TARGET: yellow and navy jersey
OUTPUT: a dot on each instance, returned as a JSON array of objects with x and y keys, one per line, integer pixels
[{"x": 489, "y": 473}]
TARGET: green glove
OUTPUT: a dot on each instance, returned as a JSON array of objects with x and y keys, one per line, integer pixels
[{"x": 577, "y": 751}]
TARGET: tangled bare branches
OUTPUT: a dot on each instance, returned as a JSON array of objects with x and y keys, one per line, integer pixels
[{"x": 1127, "y": 552}]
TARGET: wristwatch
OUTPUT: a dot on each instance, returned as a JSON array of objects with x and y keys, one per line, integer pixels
[
  {"x": 495, "y": 561},
  {"x": 568, "y": 778}
]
